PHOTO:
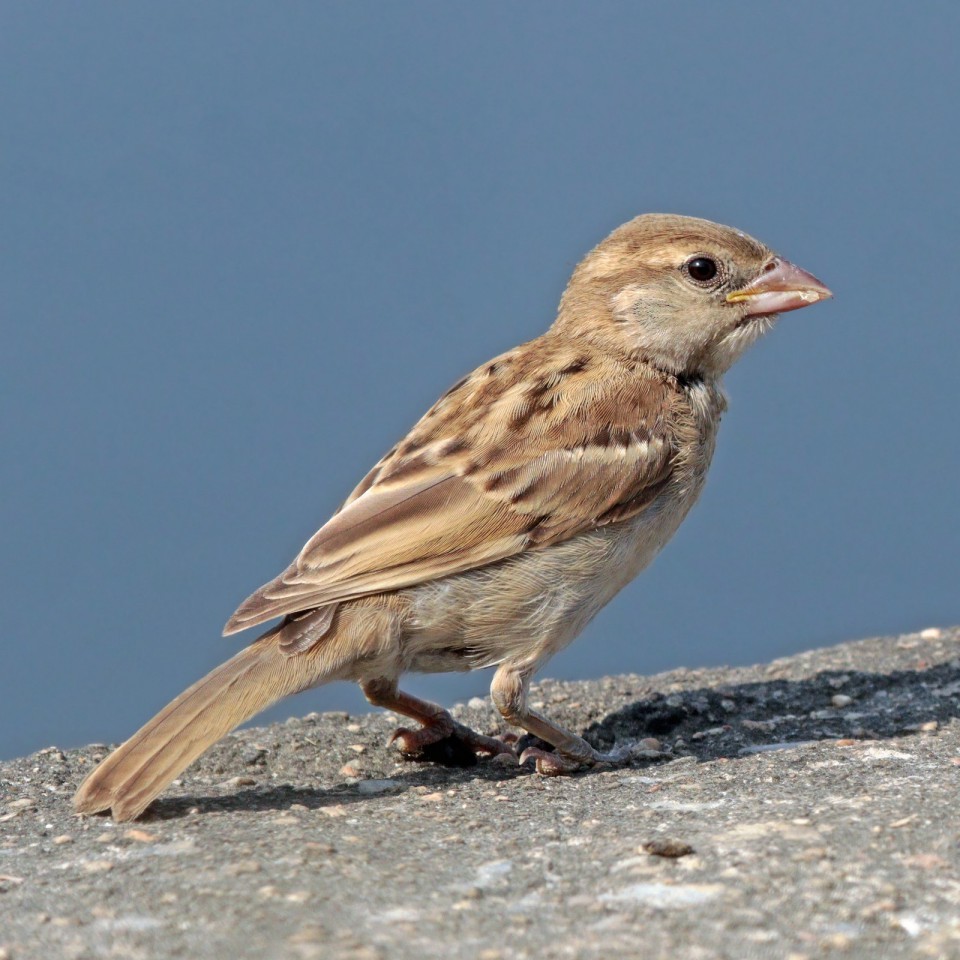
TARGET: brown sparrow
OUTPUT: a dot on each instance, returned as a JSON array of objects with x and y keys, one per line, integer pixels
[{"x": 526, "y": 497}]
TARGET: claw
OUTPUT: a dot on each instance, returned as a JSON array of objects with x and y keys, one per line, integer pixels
[
  {"x": 408, "y": 741},
  {"x": 549, "y": 764},
  {"x": 555, "y": 763}
]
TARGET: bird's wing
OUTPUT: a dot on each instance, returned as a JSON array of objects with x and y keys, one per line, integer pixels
[{"x": 541, "y": 444}]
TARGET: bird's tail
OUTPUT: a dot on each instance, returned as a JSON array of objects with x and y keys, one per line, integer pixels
[{"x": 259, "y": 675}]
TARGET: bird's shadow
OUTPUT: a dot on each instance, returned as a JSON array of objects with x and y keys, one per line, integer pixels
[
  {"x": 725, "y": 720},
  {"x": 286, "y": 795},
  {"x": 736, "y": 720}
]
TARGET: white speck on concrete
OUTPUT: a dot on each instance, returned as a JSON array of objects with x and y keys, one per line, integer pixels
[
  {"x": 370, "y": 787},
  {"x": 661, "y": 896},
  {"x": 490, "y": 873},
  {"x": 773, "y": 747}
]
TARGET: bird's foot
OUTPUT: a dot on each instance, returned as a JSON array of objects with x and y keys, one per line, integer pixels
[
  {"x": 448, "y": 743},
  {"x": 554, "y": 762}
]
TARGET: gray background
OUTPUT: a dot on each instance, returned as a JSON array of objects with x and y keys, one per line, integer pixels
[{"x": 244, "y": 246}]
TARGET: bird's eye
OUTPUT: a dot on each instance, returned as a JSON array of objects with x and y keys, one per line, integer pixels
[{"x": 702, "y": 269}]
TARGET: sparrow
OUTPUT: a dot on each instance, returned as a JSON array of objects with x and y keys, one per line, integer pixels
[{"x": 530, "y": 493}]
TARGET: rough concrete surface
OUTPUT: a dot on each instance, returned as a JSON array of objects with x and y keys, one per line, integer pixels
[{"x": 804, "y": 808}]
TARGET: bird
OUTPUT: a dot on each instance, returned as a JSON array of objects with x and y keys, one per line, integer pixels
[{"x": 525, "y": 498}]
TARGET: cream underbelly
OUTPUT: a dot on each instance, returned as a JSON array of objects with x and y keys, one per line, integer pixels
[{"x": 525, "y": 609}]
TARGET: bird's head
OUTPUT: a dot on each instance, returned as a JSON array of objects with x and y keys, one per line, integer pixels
[{"x": 687, "y": 294}]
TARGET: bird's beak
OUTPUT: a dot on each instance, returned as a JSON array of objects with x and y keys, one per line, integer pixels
[{"x": 780, "y": 286}]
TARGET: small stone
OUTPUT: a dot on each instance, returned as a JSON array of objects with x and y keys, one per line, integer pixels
[
  {"x": 298, "y": 896},
  {"x": 357, "y": 951},
  {"x": 140, "y": 836},
  {"x": 841, "y": 700},
  {"x": 285, "y": 820},
  {"x": 898, "y": 824},
  {"x": 811, "y": 855},
  {"x": 712, "y": 732},
  {"x": 235, "y": 782},
  {"x": 350, "y": 770},
  {"x": 268, "y": 892},
  {"x": 299, "y": 808},
  {"x": 504, "y": 760},
  {"x": 837, "y": 941},
  {"x": 317, "y": 849},
  {"x": 63, "y": 838},
  {"x": 650, "y": 744},
  {"x": 354, "y": 728},
  {"x": 98, "y": 866},
  {"x": 926, "y": 861},
  {"x": 931, "y": 633},
  {"x": 25, "y": 803},
  {"x": 358, "y": 748},
  {"x": 476, "y": 703},
  {"x": 310, "y": 933},
  {"x": 431, "y": 797},
  {"x": 929, "y": 726},
  {"x": 878, "y": 906},
  {"x": 667, "y": 848}
]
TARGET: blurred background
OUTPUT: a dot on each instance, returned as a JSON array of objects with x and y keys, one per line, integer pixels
[{"x": 244, "y": 246}]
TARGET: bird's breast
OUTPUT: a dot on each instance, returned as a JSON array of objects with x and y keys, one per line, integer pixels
[{"x": 527, "y": 607}]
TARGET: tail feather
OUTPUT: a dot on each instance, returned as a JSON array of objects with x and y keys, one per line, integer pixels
[{"x": 135, "y": 773}]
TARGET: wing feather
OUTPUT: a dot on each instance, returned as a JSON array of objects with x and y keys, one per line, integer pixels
[{"x": 527, "y": 451}]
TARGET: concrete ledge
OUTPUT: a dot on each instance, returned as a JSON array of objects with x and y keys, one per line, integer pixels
[{"x": 801, "y": 808}]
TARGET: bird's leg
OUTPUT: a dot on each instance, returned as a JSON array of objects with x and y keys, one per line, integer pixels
[
  {"x": 509, "y": 694},
  {"x": 440, "y": 737}
]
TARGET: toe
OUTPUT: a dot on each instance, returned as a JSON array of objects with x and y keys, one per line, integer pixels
[
  {"x": 406, "y": 741},
  {"x": 549, "y": 764}
]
